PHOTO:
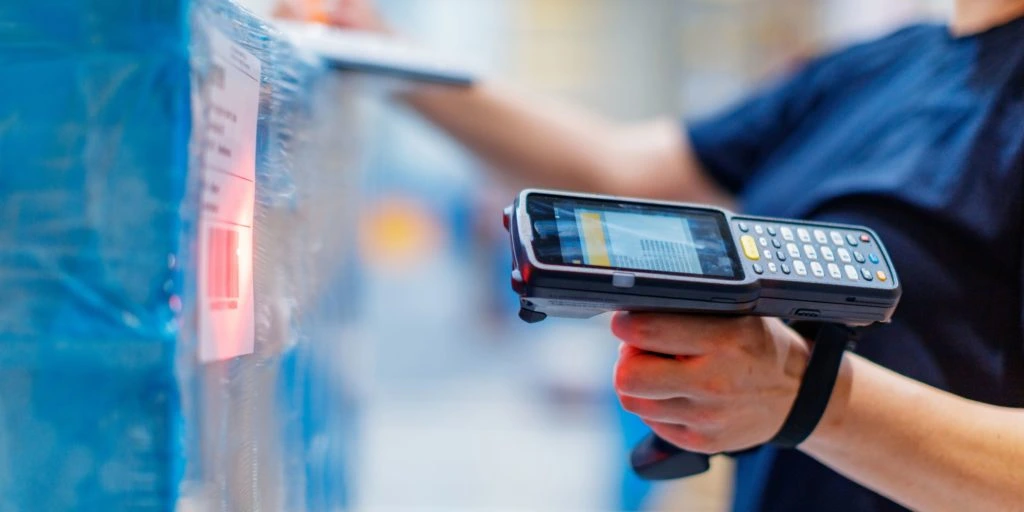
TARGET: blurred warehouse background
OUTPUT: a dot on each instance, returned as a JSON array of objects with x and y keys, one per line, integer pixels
[{"x": 461, "y": 406}]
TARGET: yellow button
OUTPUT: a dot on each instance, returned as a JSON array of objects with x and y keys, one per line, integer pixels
[
  {"x": 881, "y": 276},
  {"x": 750, "y": 247}
]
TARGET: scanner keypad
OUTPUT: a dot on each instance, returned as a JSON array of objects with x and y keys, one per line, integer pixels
[{"x": 849, "y": 256}]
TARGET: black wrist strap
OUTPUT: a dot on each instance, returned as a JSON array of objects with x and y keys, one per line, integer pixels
[{"x": 830, "y": 343}]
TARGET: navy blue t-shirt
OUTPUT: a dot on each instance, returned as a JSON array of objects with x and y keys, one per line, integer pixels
[{"x": 919, "y": 135}]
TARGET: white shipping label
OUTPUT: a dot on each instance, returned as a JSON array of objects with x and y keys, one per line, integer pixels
[{"x": 232, "y": 93}]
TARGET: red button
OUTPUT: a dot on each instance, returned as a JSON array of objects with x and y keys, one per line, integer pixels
[
  {"x": 517, "y": 282},
  {"x": 865, "y": 238}
]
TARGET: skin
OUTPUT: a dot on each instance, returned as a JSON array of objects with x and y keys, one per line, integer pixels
[
  {"x": 730, "y": 383},
  {"x": 711, "y": 384},
  {"x": 537, "y": 142}
]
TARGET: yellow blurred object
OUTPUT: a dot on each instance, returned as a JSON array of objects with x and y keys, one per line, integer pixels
[
  {"x": 709, "y": 492},
  {"x": 555, "y": 52},
  {"x": 559, "y": 14},
  {"x": 309, "y": 10},
  {"x": 397, "y": 233}
]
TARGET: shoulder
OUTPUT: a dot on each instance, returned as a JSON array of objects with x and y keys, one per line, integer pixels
[
  {"x": 876, "y": 55},
  {"x": 905, "y": 38}
]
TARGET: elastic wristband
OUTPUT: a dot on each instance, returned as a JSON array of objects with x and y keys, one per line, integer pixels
[{"x": 830, "y": 343}]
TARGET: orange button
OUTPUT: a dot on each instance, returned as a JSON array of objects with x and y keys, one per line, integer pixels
[{"x": 881, "y": 276}]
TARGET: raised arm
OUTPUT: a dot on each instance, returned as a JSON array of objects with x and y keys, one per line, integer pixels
[{"x": 538, "y": 142}]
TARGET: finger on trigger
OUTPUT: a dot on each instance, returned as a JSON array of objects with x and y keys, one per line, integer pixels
[
  {"x": 646, "y": 375},
  {"x": 671, "y": 410},
  {"x": 675, "y": 334}
]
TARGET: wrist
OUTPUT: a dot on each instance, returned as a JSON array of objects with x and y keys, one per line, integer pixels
[
  {"x": 833, "y": 422},
  {"x": 820, "y": 375}
]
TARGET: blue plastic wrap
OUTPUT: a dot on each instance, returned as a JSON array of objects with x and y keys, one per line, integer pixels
[{"x": 104, "y": 404}]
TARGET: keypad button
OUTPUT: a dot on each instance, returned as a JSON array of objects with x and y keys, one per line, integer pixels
[
  {"x": 799, "y": 267},
  {"x": 772, "y": 268},
  {"x": 817, "y": 270},
  {"x": 851, "y": 273},
  {"x": 785, "y": 269},
  {"x": 787, "y": 234},
  {"x": 743, "y": 227},
  {"x": 833, "y": 270},
  {"x": 767, "y": 254},
  {"x": 805, "y": 236},
  {"x": 758, "y": 269},
  {"x": 776, "y": 243},
  {"x": 810, "y": 252},
  {"x": 844, "y": 255},
  {"x": 881, "y": 276},
  {"x": 771, "y": 231},
  {"x": 780, "y": 255},
  {"x": 794, "y": 251},
  {"x": 866, "y": 274},
  {"x": 826, "y": 252},
  {"x": 858, "y": 256},
  {"x": 750, "y": 247},
  {"x": 873, "y": 258},
  {"x": 852, "y": 240},
  {"x": 865, "y": 238},
  {"x": 759, "y": 229},
  {"x": 820, "y": 236},
  {"x": 837, "y": 237},
  {"x": 763, "y": 241}
]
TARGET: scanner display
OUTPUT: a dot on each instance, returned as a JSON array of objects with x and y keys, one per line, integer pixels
[
  {"x": 633, "y": 237},
  {"x": 632, "y": 240}
]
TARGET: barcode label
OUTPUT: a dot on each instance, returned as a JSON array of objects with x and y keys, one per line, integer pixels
[
  {"x": 222, "y": 268},
  {"x": 230, "y": 106}
]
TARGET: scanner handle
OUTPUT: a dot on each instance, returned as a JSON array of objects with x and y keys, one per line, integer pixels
[{"x": 656, "y": 459}]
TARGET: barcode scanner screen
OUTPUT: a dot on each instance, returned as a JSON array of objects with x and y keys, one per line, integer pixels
[{"x": 222, "y": 268}]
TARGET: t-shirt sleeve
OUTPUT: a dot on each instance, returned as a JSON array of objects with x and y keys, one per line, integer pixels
[{"x": 732, "y": 145}]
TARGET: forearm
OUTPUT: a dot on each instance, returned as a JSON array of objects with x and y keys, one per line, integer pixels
[
  {"x": 922, "y": 447},
  {"x": 536, "y": 142}
]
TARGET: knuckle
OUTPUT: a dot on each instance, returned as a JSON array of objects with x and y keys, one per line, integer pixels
[
  {"x": 632, "y": 329},
  {"x": 627, "y": 379},
  {"x": 739, "y": 328},
  {"x": 644, "y": 328},
  {"x": 716, "y": 386}
]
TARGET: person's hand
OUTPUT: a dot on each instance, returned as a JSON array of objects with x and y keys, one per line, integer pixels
[
  {"x": 351, "y": 14},
  {"x": 708, "y": 384}
]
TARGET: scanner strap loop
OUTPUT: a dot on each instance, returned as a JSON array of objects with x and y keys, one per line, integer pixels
[{"x": 831, "y": 341}]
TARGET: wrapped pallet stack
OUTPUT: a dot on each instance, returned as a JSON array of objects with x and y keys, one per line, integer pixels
[{"x": 177, "y": 190}]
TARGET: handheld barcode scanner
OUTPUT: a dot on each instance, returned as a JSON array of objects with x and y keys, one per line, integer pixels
[{"x": 580, "y": 255}]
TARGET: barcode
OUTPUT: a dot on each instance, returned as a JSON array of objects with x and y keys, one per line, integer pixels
[
  {"x": 217, "y": 75},
  {"x": 222, "y": 268},
  {"x": 664, "y": 256}
]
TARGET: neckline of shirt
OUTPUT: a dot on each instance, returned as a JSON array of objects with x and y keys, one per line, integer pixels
[{"x": 993, "y": 31}]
